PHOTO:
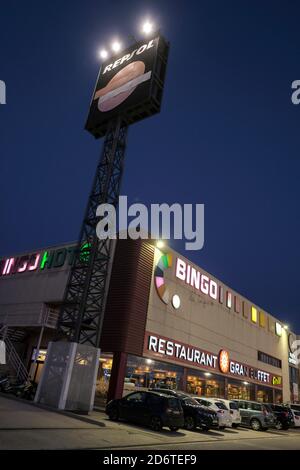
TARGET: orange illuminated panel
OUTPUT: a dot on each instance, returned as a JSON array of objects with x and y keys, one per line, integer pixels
[{"x": 262, "y": 319}]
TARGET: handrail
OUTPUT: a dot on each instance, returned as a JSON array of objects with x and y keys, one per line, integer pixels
[
  {"x": 23, "y": 316},
  {"x": 13, "y": 358}
]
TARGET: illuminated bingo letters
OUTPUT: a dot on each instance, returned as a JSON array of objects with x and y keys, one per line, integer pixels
[
  {"x": 179, "y": 351},
  {"x": 192, "y": 276}
]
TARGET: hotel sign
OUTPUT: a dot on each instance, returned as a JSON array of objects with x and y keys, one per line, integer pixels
[
  {"x": 175, "y": 351},
  {"x": 42, "y": 260}
]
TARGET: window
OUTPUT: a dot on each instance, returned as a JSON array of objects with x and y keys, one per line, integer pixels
[
  {"x": 254, "y": 314},
  {"x": 245, "y": 309},
  {"x": 255, "y": 406},
  {"x": 221, "y": 405},
  {"x": 233, "y": 405},
  {"x": 204, "y": 402},
  {"x": 242, "y": 405},
  {"x": 136, "y": 397},
  {"x": 174, "y": 403},
  {"x": 267, "y": 359},
  {"x": 153, "y": 400},
  {"x": 278, "y": 329},
  {"x": 262, "y": 319},
  {"x": 228, "y": 299},
  {"x": 190, "y": 401}
]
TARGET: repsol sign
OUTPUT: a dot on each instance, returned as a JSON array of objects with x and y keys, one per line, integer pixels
[{"x": 127, "y": 57}]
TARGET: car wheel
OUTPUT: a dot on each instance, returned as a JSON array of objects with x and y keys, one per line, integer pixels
[
  {"x": 205, "y": 428},
  {"x": 189, "y": 423},
  {"x": 234, "y": 425},
  {"x": 173, "y": 428},
  {"x": 113, "y": 414},
  {"x": 156, "y": 423},
  {"x": 278, "y": 425},
  {"x": 285, "y": 428},
  {"x": 255, "y": 425}
]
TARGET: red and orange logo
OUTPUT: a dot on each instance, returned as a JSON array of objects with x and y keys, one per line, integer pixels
[{"x": 224, "y": 361}]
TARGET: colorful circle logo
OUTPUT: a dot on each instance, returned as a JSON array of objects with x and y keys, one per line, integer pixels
[
  {"x": 164, "y": 262},
  {"x": 224, "y": 361}
]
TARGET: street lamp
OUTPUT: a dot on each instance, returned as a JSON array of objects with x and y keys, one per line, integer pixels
[
  {"x": 147, "y": 27},
  {"x": 116, "y": 46},
  {"x": 160, "y": 244},
  {"x": 103, "y": 54}
]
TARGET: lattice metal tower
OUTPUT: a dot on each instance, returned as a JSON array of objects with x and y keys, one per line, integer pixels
[{"x": 82, "y": 311}]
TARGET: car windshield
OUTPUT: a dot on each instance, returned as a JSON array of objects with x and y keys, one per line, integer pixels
[
  {"x": 295, "y": 407},
  {"x": 190, "y": 401},
  {"x": 221, "y": 405}
]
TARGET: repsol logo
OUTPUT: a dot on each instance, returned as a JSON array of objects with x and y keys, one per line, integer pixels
[
  {"x": 127, "y": 57},
  {"x": 2, "y": 92}
]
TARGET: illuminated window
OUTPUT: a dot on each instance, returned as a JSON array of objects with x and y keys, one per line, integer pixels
[
  {"x": 278, "y": 329},
  {"x": 262, "y": 319},
  {"x": 245, "y": 309},
  {"x": 254, "y": 314},
  {"x": 228, "y": 299},
  {"x": 221, "y": 295},
  {"x": 236, "y": 304}
]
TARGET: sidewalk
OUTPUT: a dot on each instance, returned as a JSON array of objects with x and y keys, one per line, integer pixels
[{"x": 25, "y": 426}]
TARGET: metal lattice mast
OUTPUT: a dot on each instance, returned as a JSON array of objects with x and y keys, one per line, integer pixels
[{"x": 82, "y": 312}]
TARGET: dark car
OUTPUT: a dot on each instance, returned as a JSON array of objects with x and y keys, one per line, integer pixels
[
  {"x": 195, "y": 415},
  {"x": 284, "y": 416},
  {"x": 148, "y": 408},
  {"x": 256, "y": 415}
]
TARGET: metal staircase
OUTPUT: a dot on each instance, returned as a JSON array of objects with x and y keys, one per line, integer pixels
[{"x": 13, "y": 360}]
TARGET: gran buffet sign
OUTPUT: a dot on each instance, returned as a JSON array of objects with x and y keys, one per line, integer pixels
[{"x": 167, "y": 349}]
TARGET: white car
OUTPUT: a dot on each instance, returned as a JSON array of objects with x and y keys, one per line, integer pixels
[
  {"x": 217, "y": 405},
  {"x": 234, "y": 411},
  {"x": 296, "y": 415}
]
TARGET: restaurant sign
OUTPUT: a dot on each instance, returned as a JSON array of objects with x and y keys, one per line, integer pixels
[{"x": 176, "y": 351}]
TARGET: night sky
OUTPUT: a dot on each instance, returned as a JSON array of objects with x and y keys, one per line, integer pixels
[{"x": 227, "y": 136}]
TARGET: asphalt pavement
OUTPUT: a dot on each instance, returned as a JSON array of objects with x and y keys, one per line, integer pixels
[{"x": 25, "y": 426}]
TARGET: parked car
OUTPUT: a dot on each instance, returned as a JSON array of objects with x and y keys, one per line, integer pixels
[
  {"x": 234, "y": 411},
  {"x": 148, "y": 408},
  {"x": 283, "y": 414},
  {"x": 195, "y": 415},
  {"x": 256, "y": 415},
  {"x": 217, "y": 405},
  {"x": 168, "y": 391},
  {"x": 295, "y": 410}
]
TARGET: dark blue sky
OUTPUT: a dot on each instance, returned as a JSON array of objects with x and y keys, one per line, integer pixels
[{"x": 227, "y": 136}]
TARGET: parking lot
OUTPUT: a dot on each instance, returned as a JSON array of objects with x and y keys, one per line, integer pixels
[{"x": 24, "y": 426}]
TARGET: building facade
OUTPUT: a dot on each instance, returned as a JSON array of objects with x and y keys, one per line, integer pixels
[{"x": 168, "y": 323}]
